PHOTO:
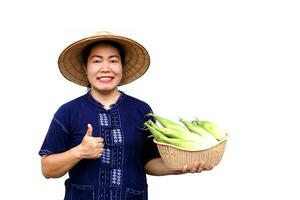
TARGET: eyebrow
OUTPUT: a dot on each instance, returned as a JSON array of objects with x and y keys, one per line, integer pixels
[{"x": 112, "y": 56}]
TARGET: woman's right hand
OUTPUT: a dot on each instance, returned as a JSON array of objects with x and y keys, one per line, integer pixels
[{"x": 91, "y": 147}]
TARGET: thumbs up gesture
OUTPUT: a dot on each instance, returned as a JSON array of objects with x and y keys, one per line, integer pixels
[{"x": 91, "y": 147}]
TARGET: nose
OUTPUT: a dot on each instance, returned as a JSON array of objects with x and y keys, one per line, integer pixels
[{"x": 105, "y": 67}]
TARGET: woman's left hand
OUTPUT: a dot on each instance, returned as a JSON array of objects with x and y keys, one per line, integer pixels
[{"x": 196, "y": 167}]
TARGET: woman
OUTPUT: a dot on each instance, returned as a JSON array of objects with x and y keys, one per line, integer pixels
[{"x": 96, "y": 137}]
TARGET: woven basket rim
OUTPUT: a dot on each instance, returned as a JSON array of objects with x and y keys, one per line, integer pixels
[{"x": 170, "y": 145}]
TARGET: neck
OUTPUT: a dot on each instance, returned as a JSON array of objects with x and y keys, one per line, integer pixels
[{"x": 106, "y": 98}]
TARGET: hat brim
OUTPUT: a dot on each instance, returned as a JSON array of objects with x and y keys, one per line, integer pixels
[{"x": 136, "y": 59}]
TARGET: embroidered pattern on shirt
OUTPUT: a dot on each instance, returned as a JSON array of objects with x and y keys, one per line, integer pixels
[
  {"x": 106, "y": 156},
  {"x": 103, "y": 119},
  {"x": 111, "y": 174},
  {"x": 117, "y": 137},
  {"x": 116, "y": 176}
]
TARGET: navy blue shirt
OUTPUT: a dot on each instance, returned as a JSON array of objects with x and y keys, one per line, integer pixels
[{"x": 119, "y": 173}]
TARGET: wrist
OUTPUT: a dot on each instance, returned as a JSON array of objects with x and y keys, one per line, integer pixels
[{"x": 77, "y": 152}]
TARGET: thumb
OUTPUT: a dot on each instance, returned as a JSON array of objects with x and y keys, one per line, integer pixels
[{"x": 89, "y": 131}]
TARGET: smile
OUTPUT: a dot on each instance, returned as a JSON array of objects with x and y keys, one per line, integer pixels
[{"x": 105, "y": 78}]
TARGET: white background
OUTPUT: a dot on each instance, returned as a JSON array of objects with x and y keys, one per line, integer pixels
[{"x": 232, "y": 62}]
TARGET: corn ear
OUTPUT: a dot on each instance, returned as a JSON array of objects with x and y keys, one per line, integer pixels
[
  {"x": 212, "y": 128},
  {"x": 200, "y": 131},
  {"x": 183, "y": 134},
  {"x": 187, "y": 145},
  {"x": 161, "y": 135},
  {"x": 155, "y": 132},
  {"x": 165, "y": 122},
  {"x": 194, "y": 135}
]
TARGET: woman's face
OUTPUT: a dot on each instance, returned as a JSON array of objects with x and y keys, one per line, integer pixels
[{"x": 104, "y": 68}]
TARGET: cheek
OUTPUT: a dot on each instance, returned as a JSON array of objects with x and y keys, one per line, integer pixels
[
  {"x": 90, "y": 70},
  {"x": 118, "y": 70},
  {"x": 89, "y": 75}
]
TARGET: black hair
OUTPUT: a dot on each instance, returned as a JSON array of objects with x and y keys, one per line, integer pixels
[{"x": 87, "y": 50}]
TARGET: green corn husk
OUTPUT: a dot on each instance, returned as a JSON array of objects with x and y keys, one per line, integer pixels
[
  {"x": 182, "y": 134},
  {"x": 212, "y": 128},
  {"x": 175, "y": 130},
  {"x": 185, "y": 142},
  {"x": 194, "y": 135},
  {"x": 164, "y": 121},
  {"x": 200, "y": 131}
]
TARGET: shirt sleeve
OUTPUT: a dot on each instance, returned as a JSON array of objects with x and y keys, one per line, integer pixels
[
  {"x": 150, "y": 148},
  {"x": 56, "y": 140}
]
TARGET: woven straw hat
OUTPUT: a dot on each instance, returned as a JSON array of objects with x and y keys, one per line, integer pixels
[{"x": 135, "y": 64}]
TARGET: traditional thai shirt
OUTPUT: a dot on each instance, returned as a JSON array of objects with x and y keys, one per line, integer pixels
[{"x": 119, "y": 173}]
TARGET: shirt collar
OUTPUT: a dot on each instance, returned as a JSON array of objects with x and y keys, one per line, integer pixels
[{"x": 99, "y": 104}]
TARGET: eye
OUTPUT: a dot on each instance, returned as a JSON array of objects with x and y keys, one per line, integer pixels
[
  {"x": 96, "y": 61},
  {"x": 114, "y": 61}
]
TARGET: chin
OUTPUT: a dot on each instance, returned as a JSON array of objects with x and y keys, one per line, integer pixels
[{"x": 106, "y": 89}]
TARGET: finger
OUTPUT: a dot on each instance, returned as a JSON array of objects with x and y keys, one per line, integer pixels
[
  {"x": 203, "y": 164},
  {"x": 99, "y": 139},
  {"x": 89, "y": 131},
  {"x": 200, "y": 167},
  {"x": 101, "y": 145},
  {"x": 209, "y": 167},
  {"x": 100, "y": 152},
  {"x": 195, "y": 167},
  {"x": 184, "y": 169}
]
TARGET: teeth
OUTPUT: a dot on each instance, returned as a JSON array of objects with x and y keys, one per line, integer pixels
[{"x": 105, "y": 79}]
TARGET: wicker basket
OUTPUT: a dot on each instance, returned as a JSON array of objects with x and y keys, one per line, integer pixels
[{"x": 176, "y": 158}]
